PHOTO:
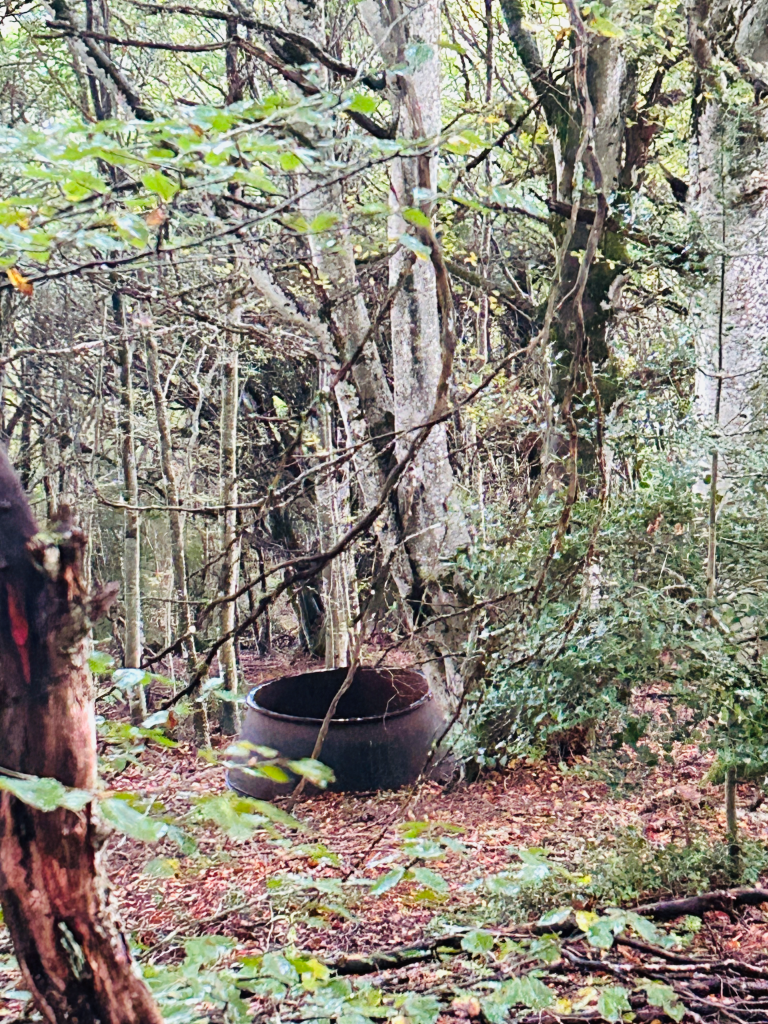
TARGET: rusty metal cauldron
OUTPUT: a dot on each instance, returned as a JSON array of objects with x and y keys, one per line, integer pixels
[{"x": 379, "y": 737}]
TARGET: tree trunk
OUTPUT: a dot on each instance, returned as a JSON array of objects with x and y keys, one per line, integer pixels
[
  {"x": 365, "y": 403},
  {"x": 230, "y": 547},
  {"x": 730, "y": 312},
  {"x": 176, "y": 524},
  {"x": 433, "y": 524},
  {"x": 73, "y": 958},
  {"x": 132, "y": 517},
  {"x": 612, "y": 89},
  {"x": 728, "y": 158}
]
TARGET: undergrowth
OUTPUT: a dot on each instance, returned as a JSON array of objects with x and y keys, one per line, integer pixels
[{"x": 627, "y": 872}]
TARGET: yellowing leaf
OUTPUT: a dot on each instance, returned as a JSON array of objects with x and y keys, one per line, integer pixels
[
  {"x": 289, "y": 161},
  {"x": 584, "y": 918},
  {"x": 417, "y": 217},
  {"x": 19, "y": 282}
]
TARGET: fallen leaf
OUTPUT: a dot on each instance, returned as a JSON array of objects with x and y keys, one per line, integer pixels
[
  {"x": 467, "y": 1006},
  {"x": 19, "y": 282},
  {"x": 156, "y": 217}
]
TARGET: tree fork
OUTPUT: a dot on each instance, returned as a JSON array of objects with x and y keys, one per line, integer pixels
[{"x": 73, "y": 957}]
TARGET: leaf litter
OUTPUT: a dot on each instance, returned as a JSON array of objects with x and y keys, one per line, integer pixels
[{"x": 423, "y": 906}]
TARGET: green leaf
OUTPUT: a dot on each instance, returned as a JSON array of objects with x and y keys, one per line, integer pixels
[
  {"x": 546, "y": 948},
  {"x": 318, "y": 852},
  {"x": 46, "y": 794},
  {"x": 665, "y": 997},
  {"x": 421, "y": 1009},
  {"x": 409, "y": 242},
  {"x": 478, "y": 941},
  {"x": 129, "y": 678},
  {"x": 603, "y": 27},
  {"x": 162, "y": 867},
  {"x": 130, "y": 822},
  {"x": 387, "y": 882},
  {"x": 207, "y": 949},
  {"x": 232, "y": 814},
  {"x": 290, "y": 162},
  {"x": 600, "y": 933},
  {"x": 431, "y": 879},
  {"x": 647, "y": 929},
  {"x": 323, "y": 222},
  {"x": 155, "y": 720},
  {"x": 275, "y": 966},
  {"x": 100, "y": 663},
  {"x": 132, "y": 229},
  {"x": 313, "y": 771},
  {"x": 276, "y": 814},
  {"x": 424, "y": 849},
  {"x": 525, "y": 991},
  {"x": 557, "y": 916},
  {"x": 273, "y": 771},
  {"x": 613, "y": 1002},
  {"x": 362, "y": 104},
  {"x": 417, "y": 217},
  {"x": 157, "y": 182}
]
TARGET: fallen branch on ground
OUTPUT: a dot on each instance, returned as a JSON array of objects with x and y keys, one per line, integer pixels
[{"x": 696, "y": 906}]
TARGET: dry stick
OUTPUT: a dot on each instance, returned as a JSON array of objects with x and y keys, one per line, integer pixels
[{"x": 354, "y": 662}]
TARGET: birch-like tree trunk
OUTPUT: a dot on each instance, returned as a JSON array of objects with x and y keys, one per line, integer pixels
[
  {"x": 407, "y": 39},
  {"x": 729, "y": 201},
  {"x": 422, "y": 334},
  {"x": 365, "y": 402},
  {"x": 132, "y": 516},
  {"x": 230, "y": 546},
  {"x": 176, "y": 524}
]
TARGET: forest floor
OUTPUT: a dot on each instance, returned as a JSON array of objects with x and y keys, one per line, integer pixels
[{"x": 575, "y": 813}]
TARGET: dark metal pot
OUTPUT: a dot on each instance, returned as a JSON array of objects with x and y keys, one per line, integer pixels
[{"x": 379, "y": 737}]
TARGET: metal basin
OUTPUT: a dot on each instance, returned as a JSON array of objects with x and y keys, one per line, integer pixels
[{"x": 379, "y": 737}]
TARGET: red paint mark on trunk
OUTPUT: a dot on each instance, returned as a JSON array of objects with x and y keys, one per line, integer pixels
[{"x": 19, "y": 630}]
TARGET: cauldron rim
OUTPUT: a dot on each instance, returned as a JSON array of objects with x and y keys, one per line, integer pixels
[{"x": 250, "y": 701}]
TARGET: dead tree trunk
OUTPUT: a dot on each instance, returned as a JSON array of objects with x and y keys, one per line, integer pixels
[{"x": 73, "y": 957}]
